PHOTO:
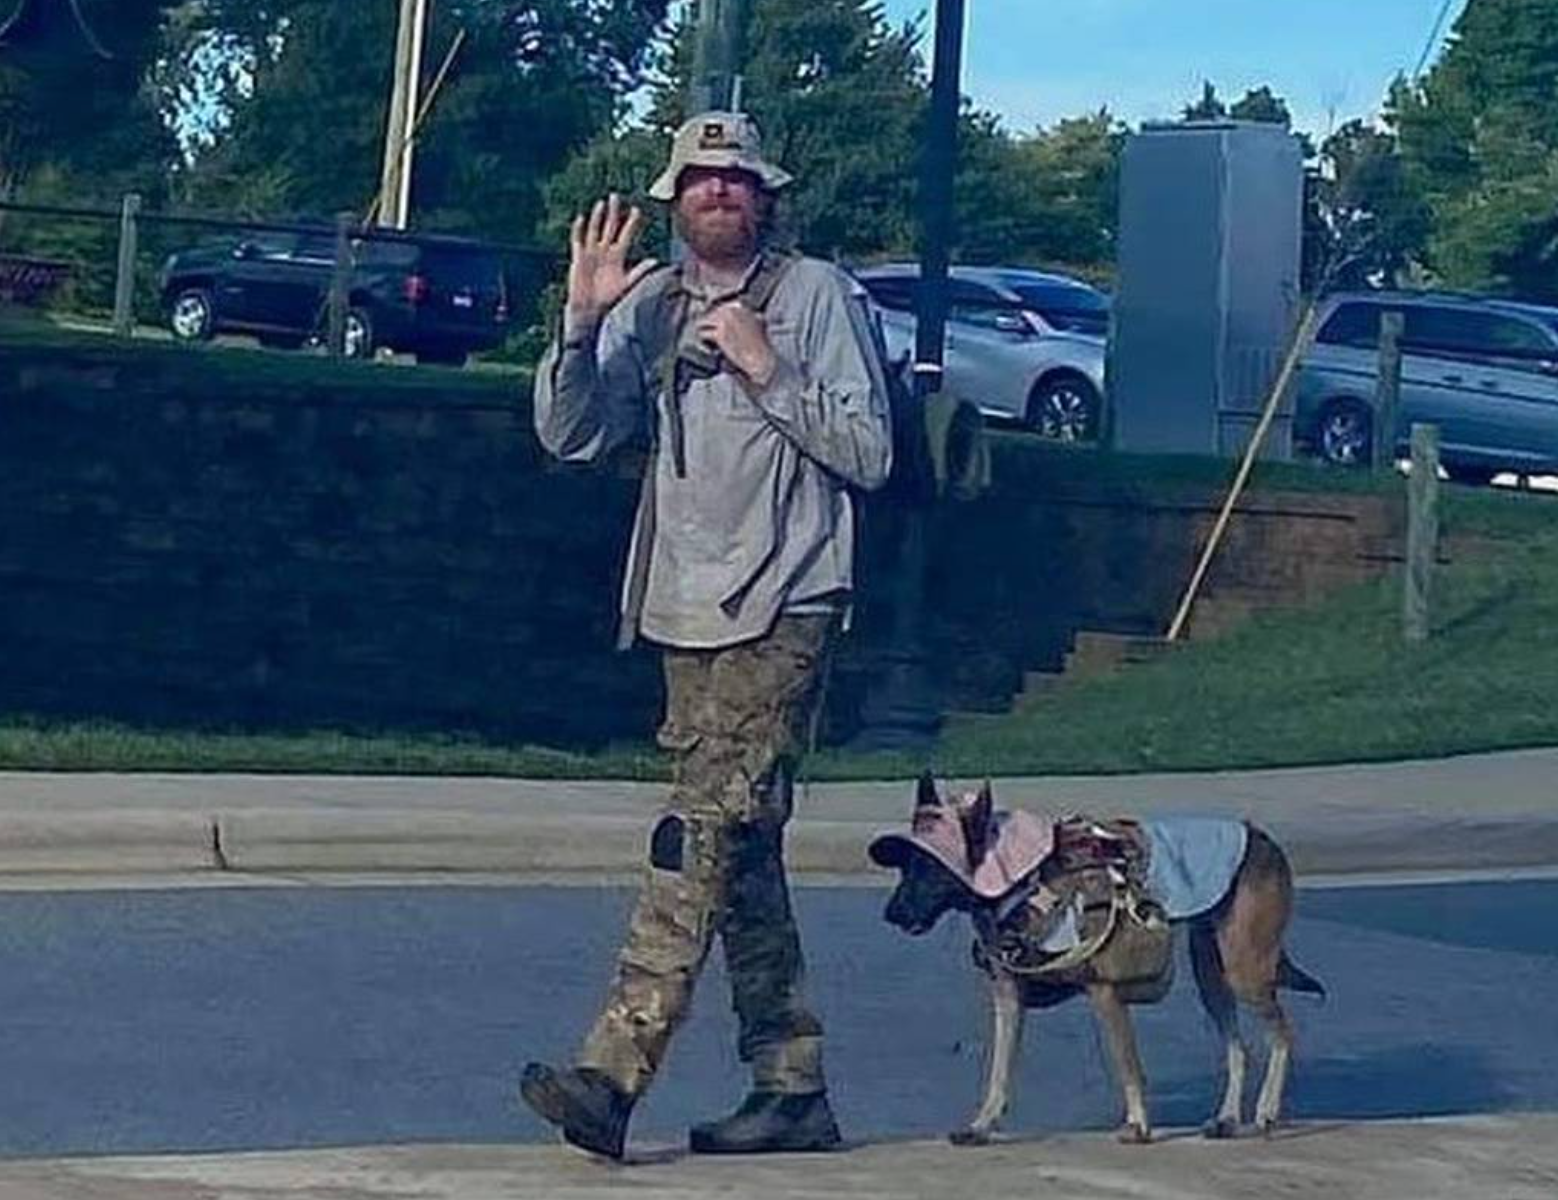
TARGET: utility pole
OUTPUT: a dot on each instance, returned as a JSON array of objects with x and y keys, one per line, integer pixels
[
  {"x": 903, "y": 709},
  {"x": 399, "y": 142},
  {"x": 719, "y": 53}
]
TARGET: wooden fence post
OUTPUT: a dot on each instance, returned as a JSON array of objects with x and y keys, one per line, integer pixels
[
  {"x": 1387, "y": 393},
  {"x": 340, "y": 283},
  {"x": 1422, "y": 532},
  {"x": 124, "y": 282}
]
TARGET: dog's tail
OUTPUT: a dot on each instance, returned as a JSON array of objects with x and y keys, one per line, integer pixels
[{"x": 1293, "y": 977}]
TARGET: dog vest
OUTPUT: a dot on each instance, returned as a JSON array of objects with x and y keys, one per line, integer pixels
[{"x": 1084, "y": 916}]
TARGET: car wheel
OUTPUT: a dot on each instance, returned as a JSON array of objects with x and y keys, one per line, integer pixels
[
  {"x": 191, "y": 316},
  {"x": 1064, "y": 408},
  {"x": 443, "y": 358},
  {"x": 1346, "y": 435},
  {"x": 1469, "y": 475},
  {"x": 360, "y": 341}
]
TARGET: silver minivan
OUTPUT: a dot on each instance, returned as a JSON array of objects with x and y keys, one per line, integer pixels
[
  {"x": 1024, "y": 345},
  {"x": 1484, "y": 371}
]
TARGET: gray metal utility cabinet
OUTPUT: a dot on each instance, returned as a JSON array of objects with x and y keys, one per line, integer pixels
[{"x": 1211, "y": 228}]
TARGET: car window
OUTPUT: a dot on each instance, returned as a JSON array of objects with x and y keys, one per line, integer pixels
[
  {"x": 267, "y": 245},
  {"x": 961, "y": 293},
  {"x": 457, "y": 266},
  {"x": 315, "y": 247},
  {"x": 982, "y": 315},
  {"x": 1065, "y": 307},
  {"x": 1353, "y": 324},
  {"x": 973, "y": 304},
  {"x": 894, "y": 294},
  {"x": 386, "y": 253},
  {"x": 1462, "y": 333}
]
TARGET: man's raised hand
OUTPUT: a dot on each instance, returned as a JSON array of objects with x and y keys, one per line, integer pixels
[{"x": 598, "y": 274}]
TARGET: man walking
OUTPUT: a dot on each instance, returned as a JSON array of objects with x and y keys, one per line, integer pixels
[{"x": 754, "y": 377}]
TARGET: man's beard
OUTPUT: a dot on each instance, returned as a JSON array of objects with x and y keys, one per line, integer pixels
[{"x": 720, "y": 235}]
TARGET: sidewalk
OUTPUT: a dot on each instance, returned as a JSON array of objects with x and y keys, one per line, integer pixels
[
  {"x": 1482, "y": 812},
  {"x": 1494, "y": 1158}
]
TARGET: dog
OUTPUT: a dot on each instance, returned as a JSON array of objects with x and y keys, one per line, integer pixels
[{"x": 1065, "y": 908}]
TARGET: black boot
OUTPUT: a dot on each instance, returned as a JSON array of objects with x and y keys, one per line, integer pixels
[
  {"x": 770, "y": 1122},
  {"x": 585, "y": 1105}
]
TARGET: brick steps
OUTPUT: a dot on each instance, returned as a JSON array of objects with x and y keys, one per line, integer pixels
[{"x": 1096, "y": 654}]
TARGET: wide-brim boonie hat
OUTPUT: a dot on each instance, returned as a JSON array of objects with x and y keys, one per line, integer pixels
[
  {"x": 721, "y": 140},
  {"x": 1022, "y": 841}
]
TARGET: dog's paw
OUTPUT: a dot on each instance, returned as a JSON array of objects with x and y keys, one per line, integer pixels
[
  {"x": 971, "y": 1136},
  {"x": 1220, "y": 1129},
  {"x": 1132, "y": 1134},
  {"x": 1266, "y": 1126}
]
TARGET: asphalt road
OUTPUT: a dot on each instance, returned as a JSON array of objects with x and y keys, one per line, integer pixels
[{"x": 201, "y": 1020}]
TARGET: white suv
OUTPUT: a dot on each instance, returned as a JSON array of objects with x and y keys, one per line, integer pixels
[{"x": 1020, "y": 344}]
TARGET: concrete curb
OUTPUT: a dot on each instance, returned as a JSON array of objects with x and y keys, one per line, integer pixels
[
  {"x": 131, "y": 841},
  {"x": 586, "y": 845},
  {"x": 1478, "y": 813}
]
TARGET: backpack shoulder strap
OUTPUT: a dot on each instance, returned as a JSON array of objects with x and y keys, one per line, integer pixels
[{"x": 765, "y": 282}]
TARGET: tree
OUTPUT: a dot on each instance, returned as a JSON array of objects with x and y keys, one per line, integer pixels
[
  {"x": 1366, "y": 223},
  {"x": 839, "y": 95},
  {"x": 1262, "y": 104},
  {"x": 1071, "y": 175},
  {"x": 305, "y": 106},
  {"x": 63, "y": 103},
  {"x": 1478, "y": 139},
  {"x": 1209, "y": 107}
]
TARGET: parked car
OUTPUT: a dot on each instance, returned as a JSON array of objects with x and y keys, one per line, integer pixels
[
  {"x": 1020, "y": 344},
  {"x": 1485, "y": 371},
  {"x": 440, "y": 298}
]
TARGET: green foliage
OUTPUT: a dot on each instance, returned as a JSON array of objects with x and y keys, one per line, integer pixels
[
  {"x": 1478, "y": 141},
  {"x": 61, "y": 103},
  {"x": 841, "y": 96},
  {"x": 79, "y": 130},
  {"x": 1366, "y": 223},
  {"x": 94, "y": 119},
  {"x": 302, "y": 131},
  {"x": 1070, "y": 173}
]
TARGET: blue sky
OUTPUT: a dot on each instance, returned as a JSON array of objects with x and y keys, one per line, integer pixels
[{"x": 1034, "y": 61}]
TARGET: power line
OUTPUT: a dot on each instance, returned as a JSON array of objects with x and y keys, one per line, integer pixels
[{"x": 1433, "y": 39}]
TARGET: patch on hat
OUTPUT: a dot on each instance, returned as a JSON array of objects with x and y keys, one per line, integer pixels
[{"x": 715, "y": 136}]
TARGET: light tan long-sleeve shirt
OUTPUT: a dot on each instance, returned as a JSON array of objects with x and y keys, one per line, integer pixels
[{"x": 763, "y": 519}]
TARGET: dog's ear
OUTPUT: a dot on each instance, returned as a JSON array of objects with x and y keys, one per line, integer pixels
[
  {"x": 926, "y": 796},
  {"x": 979, "y": 826}
]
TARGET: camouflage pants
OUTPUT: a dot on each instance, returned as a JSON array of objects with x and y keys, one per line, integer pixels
[{"x": 737, "y": 719}]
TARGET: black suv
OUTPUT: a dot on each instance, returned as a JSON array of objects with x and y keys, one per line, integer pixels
[{"x": 439, "y": 298}]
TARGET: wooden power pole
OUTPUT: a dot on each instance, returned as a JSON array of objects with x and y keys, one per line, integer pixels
[
  {"x": 719, "y": 54},
  {"x": 399, "y": 142}
]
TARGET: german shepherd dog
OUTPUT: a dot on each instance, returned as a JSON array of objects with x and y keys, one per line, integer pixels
[{"x": 1236, "y": 954}]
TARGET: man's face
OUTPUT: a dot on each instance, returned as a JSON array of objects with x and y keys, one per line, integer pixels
[{"x": 719, "y": 212}]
